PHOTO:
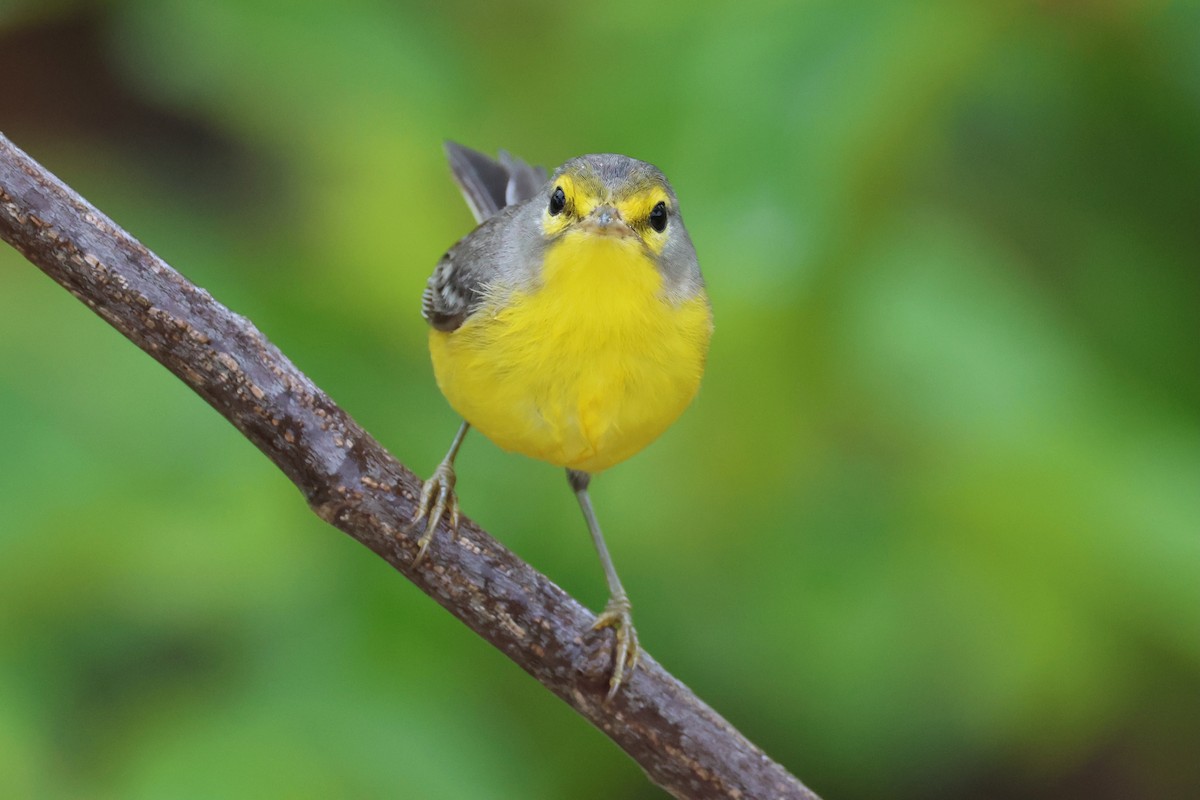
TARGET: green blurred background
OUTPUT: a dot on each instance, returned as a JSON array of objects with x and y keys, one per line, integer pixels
[{"x": 931, "y": 530}]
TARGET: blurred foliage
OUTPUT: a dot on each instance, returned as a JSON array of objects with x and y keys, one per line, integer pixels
[{"x": 931, "y": 530}]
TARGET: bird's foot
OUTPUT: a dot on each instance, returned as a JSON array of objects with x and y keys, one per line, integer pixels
[
  {"x": 437, "y": 498},
  {"x": 618, "y": 616}
]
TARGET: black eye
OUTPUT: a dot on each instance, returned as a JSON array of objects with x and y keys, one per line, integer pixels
[
  {"x": 658, "y": 217},
  {"x": 558, "y": 201}
]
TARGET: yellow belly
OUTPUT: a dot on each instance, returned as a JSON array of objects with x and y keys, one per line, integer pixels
[{"x": 583, "y": 371}]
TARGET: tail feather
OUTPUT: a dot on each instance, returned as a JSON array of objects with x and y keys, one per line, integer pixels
[{"x": 487, "y": 184}]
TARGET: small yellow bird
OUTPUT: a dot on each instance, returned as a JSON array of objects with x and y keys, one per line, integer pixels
[{"x": 571, "y": 326}]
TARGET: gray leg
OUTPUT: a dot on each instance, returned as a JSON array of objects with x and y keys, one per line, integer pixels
[
  {"x": 438, "y": 497},
  {"x": 617, "y": 613}
]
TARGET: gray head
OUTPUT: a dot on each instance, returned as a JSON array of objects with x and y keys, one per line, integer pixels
[{"x": 613, "y": 195}]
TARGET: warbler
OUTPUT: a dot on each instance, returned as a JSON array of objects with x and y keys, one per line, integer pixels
[{"x": 572, "y": 325}]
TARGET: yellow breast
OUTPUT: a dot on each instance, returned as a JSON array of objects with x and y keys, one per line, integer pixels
[{"x": 584, "y": 370}]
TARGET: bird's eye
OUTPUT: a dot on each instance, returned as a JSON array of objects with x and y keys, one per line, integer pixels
[
  {"x": 558, "y": 201},
  {"x": 658, "y": 217}
]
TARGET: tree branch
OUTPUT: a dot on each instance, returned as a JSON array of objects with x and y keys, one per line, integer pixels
[{"x": 354, "y": 484}]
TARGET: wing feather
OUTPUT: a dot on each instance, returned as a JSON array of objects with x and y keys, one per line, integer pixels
[{"x": 489, "y": 186}]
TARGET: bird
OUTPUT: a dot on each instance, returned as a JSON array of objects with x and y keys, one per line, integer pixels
[{"x": 572, "y": 325}]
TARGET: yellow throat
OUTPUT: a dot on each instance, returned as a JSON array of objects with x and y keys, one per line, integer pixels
[{"x": 585, "y": 369}]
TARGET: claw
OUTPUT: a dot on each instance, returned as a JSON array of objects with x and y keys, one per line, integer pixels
[
  {"x": 437, "y": 496},
  {"x": 618, "y": 615}
]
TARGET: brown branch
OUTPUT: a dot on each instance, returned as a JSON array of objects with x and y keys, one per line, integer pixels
[{"x": 354, "y": 484}]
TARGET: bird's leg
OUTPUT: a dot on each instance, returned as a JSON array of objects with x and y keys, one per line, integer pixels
[
  {"x": 438, "y": 497},
  {"x": 617, "y": 612}
]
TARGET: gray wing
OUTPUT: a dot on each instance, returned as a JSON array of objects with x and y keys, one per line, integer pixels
[
  {"x": 454, "y": 289},
  {"x": 490, "y": 187}
]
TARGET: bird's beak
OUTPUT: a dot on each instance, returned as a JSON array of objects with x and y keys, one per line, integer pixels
[{"x": 606, "y": 221}]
